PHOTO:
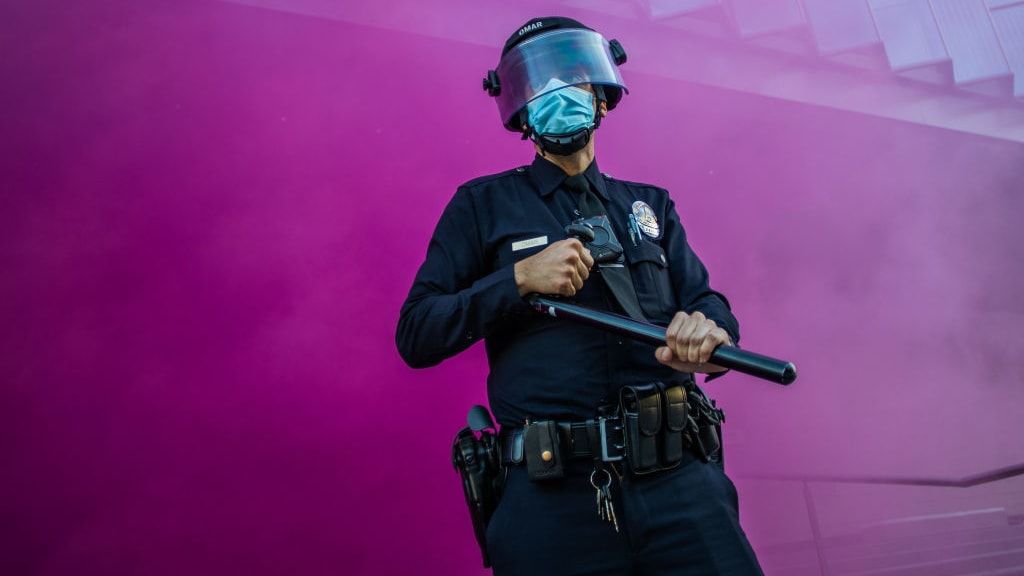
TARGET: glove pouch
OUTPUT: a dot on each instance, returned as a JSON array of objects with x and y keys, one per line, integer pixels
[
  {"x": 542, "y": 450},
  {"x": 709, "y": 420}
]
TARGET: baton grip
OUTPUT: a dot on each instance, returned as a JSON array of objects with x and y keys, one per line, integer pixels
[{"x": 745, "y": 361}]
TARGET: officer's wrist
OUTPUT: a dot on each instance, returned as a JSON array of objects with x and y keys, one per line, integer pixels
[{"x": 519, "y": 272}]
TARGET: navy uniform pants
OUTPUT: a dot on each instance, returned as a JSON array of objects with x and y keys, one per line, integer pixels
[{"x": 681, "y": 521}]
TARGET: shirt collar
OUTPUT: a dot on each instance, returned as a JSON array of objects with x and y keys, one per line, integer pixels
[{"x": 548, "y": 176}]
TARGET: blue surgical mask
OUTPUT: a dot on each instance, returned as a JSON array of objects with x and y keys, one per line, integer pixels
[{"x": 562, "y": 110}]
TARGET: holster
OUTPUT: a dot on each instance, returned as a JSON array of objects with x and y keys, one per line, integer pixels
[{"x": 475, "y": 457}]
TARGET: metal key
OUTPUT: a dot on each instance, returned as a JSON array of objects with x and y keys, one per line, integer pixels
[
  {"x": 603, "y": 497},
  {"x": 610, "y": 514}
]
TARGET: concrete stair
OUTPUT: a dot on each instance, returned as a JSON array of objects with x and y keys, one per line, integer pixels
[
  {"x": 929, "y": 555},
  {"x": 974, "y": 45},
  {"x": 996, "y": 549}
]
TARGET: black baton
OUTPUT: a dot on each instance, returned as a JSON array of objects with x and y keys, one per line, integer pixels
[{"x": 766, "y": 367}]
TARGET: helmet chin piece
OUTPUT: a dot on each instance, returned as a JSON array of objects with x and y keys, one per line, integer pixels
[
  {"x": 563, "y": 144},
  {"x": 560, "y": 144}
]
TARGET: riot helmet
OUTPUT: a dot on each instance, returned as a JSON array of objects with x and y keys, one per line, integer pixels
[{"x": 554, "y": 54}]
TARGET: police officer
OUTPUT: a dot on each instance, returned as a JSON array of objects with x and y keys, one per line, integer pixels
[{"x": 503, "y": 237}]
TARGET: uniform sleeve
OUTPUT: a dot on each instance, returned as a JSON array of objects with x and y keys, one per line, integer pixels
[
  {"x": 456, "y": 299},
  {"x": 690, "y": 278}
]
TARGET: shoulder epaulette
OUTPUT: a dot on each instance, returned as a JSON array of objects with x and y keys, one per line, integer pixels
[
  {"x": 636, "y": 184},
  {"x": 489, "y": 177}
]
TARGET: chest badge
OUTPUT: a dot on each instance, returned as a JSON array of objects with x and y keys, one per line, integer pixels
[{"x": 645, "y": 218}]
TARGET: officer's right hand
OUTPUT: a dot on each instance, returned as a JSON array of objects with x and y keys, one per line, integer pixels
[{"x": 561, "y": 268}]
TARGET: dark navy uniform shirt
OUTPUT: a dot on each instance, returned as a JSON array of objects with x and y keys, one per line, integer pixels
[{"x": 542, "y": 367}]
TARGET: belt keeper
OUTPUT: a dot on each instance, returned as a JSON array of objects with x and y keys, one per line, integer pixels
[{"x": 605, "y": 456}]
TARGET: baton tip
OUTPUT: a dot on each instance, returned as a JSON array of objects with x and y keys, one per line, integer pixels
[{"x": 788, "y": 374}]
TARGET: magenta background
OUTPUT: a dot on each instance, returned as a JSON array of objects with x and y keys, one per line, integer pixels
[{"x": 211, "y": 214}]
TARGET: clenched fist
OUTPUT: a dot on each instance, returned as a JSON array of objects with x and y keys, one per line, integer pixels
[
  {"x": 561, "y": 268},
  {"x": 690, "y": 339}
]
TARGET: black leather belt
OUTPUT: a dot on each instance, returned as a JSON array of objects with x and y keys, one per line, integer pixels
[{"x": 594, "y": 439}]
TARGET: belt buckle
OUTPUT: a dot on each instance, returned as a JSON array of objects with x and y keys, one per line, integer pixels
[{"x": 603, "y": 426}]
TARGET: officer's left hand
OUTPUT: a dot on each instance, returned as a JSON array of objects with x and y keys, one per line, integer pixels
[{"x": 690, "y": 339}]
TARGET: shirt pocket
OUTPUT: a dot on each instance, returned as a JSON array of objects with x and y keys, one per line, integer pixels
[{"x": 648, "y": 266}]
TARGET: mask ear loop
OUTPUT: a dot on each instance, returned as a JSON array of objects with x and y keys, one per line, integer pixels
[{"x": 528, "y": 131}]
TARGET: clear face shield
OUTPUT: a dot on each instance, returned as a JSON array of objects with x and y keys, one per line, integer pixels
[{"x": 572, "y": 56}]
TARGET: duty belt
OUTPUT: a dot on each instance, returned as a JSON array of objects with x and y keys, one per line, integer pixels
[{"x": 593, "y": 439}]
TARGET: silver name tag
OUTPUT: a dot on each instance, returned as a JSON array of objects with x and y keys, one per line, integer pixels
[{"x": 524, "y": 244}]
